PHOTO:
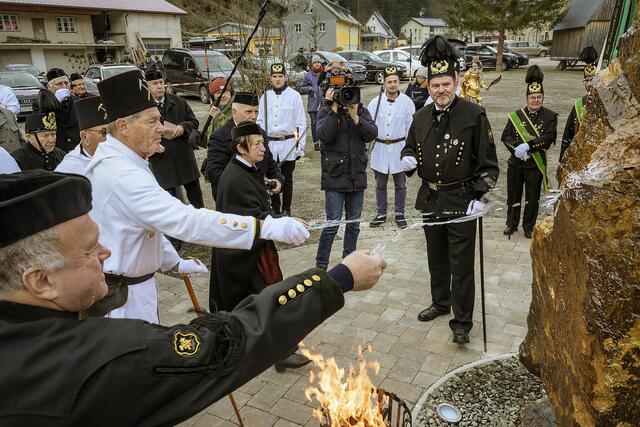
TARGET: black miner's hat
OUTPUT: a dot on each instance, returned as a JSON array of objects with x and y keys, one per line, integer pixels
[
  {"x": 90, "y": 112},
  {"x": 40, "y": 122},
  {"x": 125, "y": 94},
  {"x": 440, "y": 58}
]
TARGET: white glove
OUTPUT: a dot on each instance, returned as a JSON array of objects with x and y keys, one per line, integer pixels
[
  {"x": 476, "y": 207},
  {"x": 298, "y": 153},
  {"x": 409, "y": 163},
  {"x": 521, "y": 151},
  {"x": 286, "y": 230},
  {"x": 191, "y": 266},
  {"x": 62, "y": 94}
]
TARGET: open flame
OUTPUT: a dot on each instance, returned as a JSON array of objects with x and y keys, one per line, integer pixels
[{"x": 347, "y": 401}]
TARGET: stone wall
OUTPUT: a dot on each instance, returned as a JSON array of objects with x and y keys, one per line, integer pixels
[{"x": 584, "y": 321}]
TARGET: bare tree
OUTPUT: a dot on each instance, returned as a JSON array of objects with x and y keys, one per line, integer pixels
[{"x": 313, "y": 30}]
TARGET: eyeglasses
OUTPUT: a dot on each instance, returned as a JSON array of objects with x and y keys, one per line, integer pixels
[{"x": 102, "y": 132}]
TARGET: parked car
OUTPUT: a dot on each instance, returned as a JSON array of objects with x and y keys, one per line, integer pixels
[
  {"x": 488, "y": 56},
  {"x": 529, "y": 48},
  {"x": 190, "y": 72},
  {"x": 359, "y": 72},
  {"x": 404, "y": 58},
  {"x": 374, "y": 64},
  {"x": 98, "y": 72},
  {"x": 26, "y": 87},
  {"x": 523, "y": 58},
  {"x": 29, "y": 68}
]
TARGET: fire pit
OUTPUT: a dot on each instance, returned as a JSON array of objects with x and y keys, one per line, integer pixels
[{"x": 351, "y": 400}]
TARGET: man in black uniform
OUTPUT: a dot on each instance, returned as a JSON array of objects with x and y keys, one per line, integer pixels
[
  {"x": 451, "y": 144},
  {"x": 40, "y": 152},
  {"x": 220, "y": 152},
  {"x": 590, "y": 56},
  {"x": 529, "y": 132},
  {"x": 57, "y": 98},
  {"x": 58, "y": 370}
]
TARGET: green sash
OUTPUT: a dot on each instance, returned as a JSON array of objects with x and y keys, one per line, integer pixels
[
  {"x": 525, "y": 128},
  {"x": 581, "y": 109}
]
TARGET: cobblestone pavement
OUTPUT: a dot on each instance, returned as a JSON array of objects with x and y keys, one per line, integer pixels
[{"x": 412, "y": 354}]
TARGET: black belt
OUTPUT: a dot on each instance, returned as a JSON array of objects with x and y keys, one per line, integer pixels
[
  {"x": 280, "y": 138},
  {"x": 117, "y": 294},
  {"x": 390, "y": 141},
  {"x": 447, "y": 186}
]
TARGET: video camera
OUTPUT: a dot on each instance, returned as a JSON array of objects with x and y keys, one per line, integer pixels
[{"x": 345, "y": 92}]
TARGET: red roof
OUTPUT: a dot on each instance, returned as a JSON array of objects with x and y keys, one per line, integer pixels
[{"x": 144, "y": 6}]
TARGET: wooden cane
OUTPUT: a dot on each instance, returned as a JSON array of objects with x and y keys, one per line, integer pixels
[
  {"x": 484, "y": 319},
  {"x": 202, "y": 313}
]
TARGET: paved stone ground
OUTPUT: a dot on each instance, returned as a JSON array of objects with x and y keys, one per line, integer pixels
[{"x": 412, "y": 354}]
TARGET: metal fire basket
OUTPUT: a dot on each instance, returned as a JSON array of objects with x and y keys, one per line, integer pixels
[{"x": 394, "y": 411}]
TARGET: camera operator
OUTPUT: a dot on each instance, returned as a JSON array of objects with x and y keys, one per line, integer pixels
[{"x": 344, "y": 130}]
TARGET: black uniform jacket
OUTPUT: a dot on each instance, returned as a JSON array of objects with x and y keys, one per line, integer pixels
[
  {"x": 219, "y": 152},
  {"x": 61, "y": 371},
  {"x": 29, "y": 157},
  {"x": 546, "y": 121},
  {"x": 571, "y": 128},
  {"x": 177, "y": 165},
  {"x": 234, "y": 273},
  {"x": 459, "y": 151},
  {"x": 67, "y": 129}
]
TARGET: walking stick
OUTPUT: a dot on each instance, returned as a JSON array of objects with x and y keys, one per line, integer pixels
[
  {"x": 484, "y": 317},
  {"x": 201, "y": 313}
]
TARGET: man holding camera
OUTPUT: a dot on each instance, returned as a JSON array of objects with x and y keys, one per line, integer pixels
[
  {"x": 393, "y": 113},
  {"x": 344, "y": 130},
  {"x": 283, "y": 117}
]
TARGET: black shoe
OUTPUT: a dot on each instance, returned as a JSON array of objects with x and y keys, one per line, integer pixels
[
  {"x": 292, "y": 362},
  {"x": 316, "y": 146},
  {"x": 460, "y": 336},
  {"x": 431, "y": 313},
  {"x": 378, "y": 221},
  {"x": 401, "y": 221},
  {"x": 509, "y": 230},
  {"x": 286, "y": 212},
  {"x": 527, "y": 234}
]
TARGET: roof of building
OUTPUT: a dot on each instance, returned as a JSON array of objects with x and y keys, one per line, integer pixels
[
  {"x": 430, "y": 22},
  {"x": 379, "y": 35},
  {"x": 144, "y": 6},
  {"x": 236, "y": 25},
  {"x": 579, "y": 14},
  {"x": 342, "y": 13},
  {"x": 381, "y": 20}
]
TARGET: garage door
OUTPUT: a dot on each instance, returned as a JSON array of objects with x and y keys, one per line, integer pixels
[{"x": 14, "y": 56}]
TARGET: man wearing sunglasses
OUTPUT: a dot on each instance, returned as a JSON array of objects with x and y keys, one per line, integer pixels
[{"x": 92, "y": 120}]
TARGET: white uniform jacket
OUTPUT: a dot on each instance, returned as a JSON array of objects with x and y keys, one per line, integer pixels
[
  {"x": 76, "y": 161},
  {"x": 393, "y": 121},
  {"x": 286, "y": 114}
]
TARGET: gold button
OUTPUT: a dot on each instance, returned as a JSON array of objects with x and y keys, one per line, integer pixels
[
  {"x": 223, "y": 221},
  {"x": 462, "y": 143},
  {"x": 439, "y": 182},
  {"x": 235, "y": 223},
  {"x": 282, "y": 300},
  {"x": 315, "y": 278},
  {"x": 438, "y": 146},
  {"x": 245, "y": 225},
  {"x": 292, "y": 293},
  {"x": 437, "y": 165},
  {"x": 308, "y": 282},
  {"x": 300, "y": 288},
  {"x": 437, "y": 173}
]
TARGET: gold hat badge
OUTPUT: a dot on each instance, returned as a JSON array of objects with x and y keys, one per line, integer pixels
[
  {"x": 590, "y": 70},
  {"x": 535, "y": 87},
  {"x": 439, "y": 67},
  {"x": 277, "y": 68},
  {"x": 391, "y": 70},
  {"x": 49, "y": 121}
]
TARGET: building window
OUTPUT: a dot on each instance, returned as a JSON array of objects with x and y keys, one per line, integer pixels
[
  {"x": 297, "y": 28},
  {"x": 157, "y": 46},
  {"x": 322, "y": 27},
  {"x": 66, "y": 24},
  {"x": 9, "y": 23}
]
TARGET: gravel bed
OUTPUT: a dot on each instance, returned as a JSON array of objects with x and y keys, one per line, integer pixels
[{"x": 487, "y": 395}]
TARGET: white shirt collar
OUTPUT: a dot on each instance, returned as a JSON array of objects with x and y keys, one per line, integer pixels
[
  {"x": 243, "y": 161},
  {"x": 114, "y": 143}
]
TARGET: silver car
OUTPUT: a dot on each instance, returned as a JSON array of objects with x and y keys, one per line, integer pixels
[
  {"x": 26, "y": 87},
  {"x": 98, "y": 72}
]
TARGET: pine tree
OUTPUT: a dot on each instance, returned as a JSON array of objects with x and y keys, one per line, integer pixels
[{"x": 502, "y": 16}]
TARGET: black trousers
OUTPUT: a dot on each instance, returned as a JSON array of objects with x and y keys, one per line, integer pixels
[
  {"x": 194, "y": 193},
  {"x": 451, "y": 254},
  {"x": 531, "y": 179},
  {"x": 278, "y": 206}
]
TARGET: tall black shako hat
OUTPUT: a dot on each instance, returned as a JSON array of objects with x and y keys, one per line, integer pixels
[
  {"x": 125, "y": 94},
  {"x": 589, "y": 55},
  {"x": 90, "y": 112},
  {"x": 246, "y": 98},
  {"x": 40, "y": 122},
  {"x": 534, "y": 79},
  {"x": 245, "y": 128},
  {"x": 277, "y": 68},
  {"x": 440, "y": 58},
  {"x": 36, "y": 200}
]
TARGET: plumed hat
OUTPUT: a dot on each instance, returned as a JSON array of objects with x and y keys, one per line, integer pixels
[{"x": 440, "y": 58}]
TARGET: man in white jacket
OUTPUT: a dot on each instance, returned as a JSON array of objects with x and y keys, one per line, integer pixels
[
  {"x": 92, "y": 121},
  {"x": 283, "y": 117},
  {"x": 393, "y": 113},
  {"x": 134, "y": 212}
]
